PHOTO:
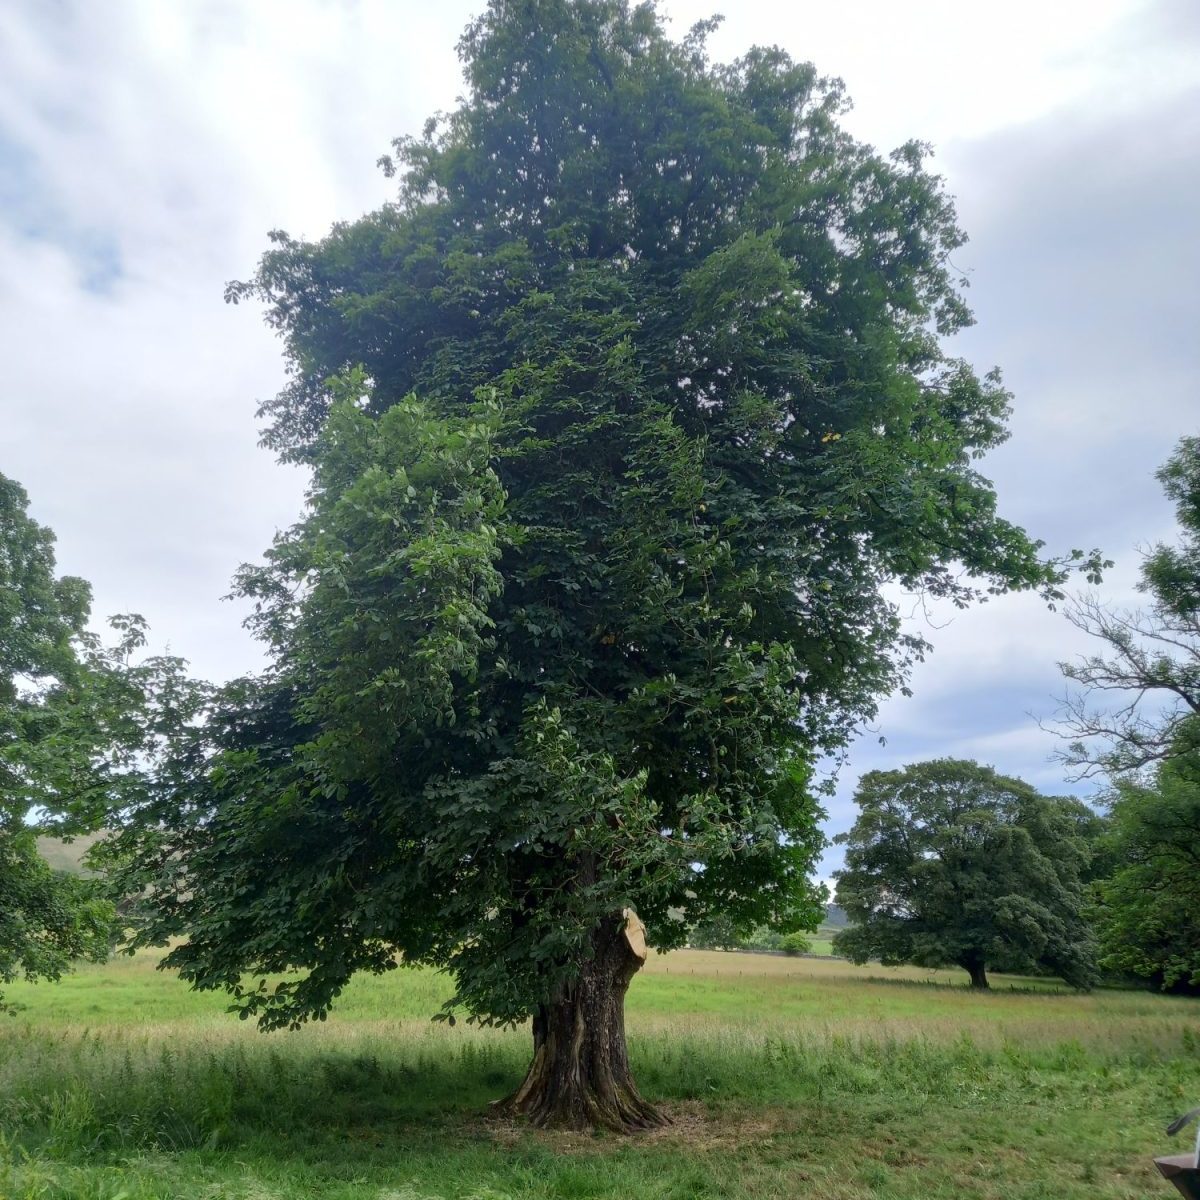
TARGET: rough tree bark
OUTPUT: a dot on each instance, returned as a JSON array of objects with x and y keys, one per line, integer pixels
[
  {"x": 579, "y": 1077},
  {"x": 978, "y": 972}
]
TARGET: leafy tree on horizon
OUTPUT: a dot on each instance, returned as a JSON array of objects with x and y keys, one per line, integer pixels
[
  {"x": 620, "y": 418},
  {"x": 951, "y": 864},
  {"x": 74, "y": 718}
]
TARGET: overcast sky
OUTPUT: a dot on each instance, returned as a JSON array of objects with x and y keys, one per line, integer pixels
[{"x": 146, "y": 149}]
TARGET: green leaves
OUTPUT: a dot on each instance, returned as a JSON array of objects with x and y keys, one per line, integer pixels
[
  {"x": 620, "y": 419},
  {"x": 78, "y": 722},
  {"x": 381, "y": 595},
  {"x": 1147, "y": 906},
  {"x": 47, "y": 919},
  {"x": 951, "y": 863}
]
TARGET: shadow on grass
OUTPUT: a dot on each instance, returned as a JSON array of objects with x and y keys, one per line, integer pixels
[
  {"x": 1001, "y": 986},
  {"x": 79, "y": 1102},
  {"x": 84, "y": 1095},
  {"x": 344, "y": 1115}
]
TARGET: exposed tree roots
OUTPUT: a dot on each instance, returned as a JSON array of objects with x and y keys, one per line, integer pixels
[{"x": 579, "y": 1077}]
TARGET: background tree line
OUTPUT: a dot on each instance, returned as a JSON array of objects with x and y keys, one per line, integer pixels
[{"x": 949, "y": 863}]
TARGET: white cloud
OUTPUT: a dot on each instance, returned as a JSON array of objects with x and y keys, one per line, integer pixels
[
  {"x": 178, "y": 135},
  {"x": 945, "y": 71}
]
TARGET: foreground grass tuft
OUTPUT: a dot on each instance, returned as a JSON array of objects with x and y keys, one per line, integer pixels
[{"x": 783, "y": 1077}]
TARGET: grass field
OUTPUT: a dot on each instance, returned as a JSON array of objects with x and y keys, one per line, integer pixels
[
  {"x": 822, "y": 941},
  {"x": 784, "y": 1078},
  {"x": 67, "y": 856}
]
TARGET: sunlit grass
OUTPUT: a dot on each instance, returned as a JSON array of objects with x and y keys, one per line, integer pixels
[
  {"x": 688, "y": 991},
  {"x": 785, "y": 1077}
]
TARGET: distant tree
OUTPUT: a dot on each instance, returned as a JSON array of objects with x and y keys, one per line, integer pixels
[
  {"x": 795, "y": 943},
  {"x": 951, "y": 864},
  {"x": 1136, "y": 718},
  {"x": 75, "y": 721},
  {"x": 1149, "y": 906},
  {"x": 763, "y": 937},
  {"x": 620, "y": 419},
  {"x": 47, "y": 919},
  {"x": 1151, "y": 661},
  {"x": 719, "y": 932}
]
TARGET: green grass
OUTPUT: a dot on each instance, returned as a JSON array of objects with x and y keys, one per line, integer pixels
[{"x": 784, "y": 1077}]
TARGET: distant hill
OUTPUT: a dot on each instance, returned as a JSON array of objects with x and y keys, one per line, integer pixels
[
  {"x": 836, "y": 917},
  {"x": 66, "y": 856}
]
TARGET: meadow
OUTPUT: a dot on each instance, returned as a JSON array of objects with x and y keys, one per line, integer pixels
[{"x": 784, "y": 1077}]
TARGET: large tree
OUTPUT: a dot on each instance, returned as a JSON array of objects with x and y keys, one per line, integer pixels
[
  {"x": 951, "y": 864},
  {"x": 620, "y": 418},
  {"x": 70, "y": 735},
  {"x": 1136, "y": 696},
  {"x": 1135, "y": 716},
  {"x": 1148, "y": 914}
]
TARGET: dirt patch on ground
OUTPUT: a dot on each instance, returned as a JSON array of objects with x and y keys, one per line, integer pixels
[{"x": 693, "y": 1124}]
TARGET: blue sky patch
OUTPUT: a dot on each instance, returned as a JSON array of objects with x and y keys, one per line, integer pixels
[{"x": 29, "y": 208}]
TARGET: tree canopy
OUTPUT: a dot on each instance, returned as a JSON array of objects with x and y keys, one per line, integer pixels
[
  {"x": 61, "y": 718},
  {"x": 950, "y": 863},
  {"x": 620, "y": 417},
  {"x": 1151, "y": 660},
  {"x": 1149, "y": 746},
  {"x": 1148, "y": 915}
]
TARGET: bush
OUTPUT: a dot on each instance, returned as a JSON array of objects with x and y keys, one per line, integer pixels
[{"x": 795, "y": 943}]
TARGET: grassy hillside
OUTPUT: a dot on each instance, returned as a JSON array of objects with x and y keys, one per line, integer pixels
[
  {"x": 784, "y": 1077},
  {"x": 67, "y": 856}
]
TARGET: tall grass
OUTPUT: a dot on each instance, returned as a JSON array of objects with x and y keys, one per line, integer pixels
[{"x": 784, "y": 1077}]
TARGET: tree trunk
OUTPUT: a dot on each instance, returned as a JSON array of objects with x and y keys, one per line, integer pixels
[
  {"x": 579, "y": 1077},
  {"x": 978, "y": 973}
]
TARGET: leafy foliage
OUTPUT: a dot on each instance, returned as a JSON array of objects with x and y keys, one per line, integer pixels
[
  {"x": 59, "y": 717},
  {"x": 795, "y": 943},
  {"x": 620, "y": 418},
  {"x": 1154, "y": 655},
  {"x": 47, "y": 918},
  {"x": 48, "y": 739},
  {"x": 950, "y": 863},
  {"x": 42, "y": 620},
  {"x": 80, "y": 723},
  {"x": 1149, "y": 910},
  {"x": 719, "y": 932}
]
